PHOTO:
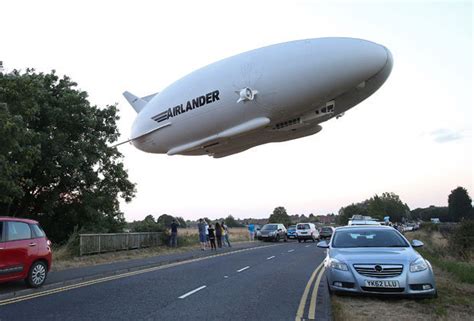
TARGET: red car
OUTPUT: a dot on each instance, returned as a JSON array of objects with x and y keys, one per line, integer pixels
[{"x": 25, "y": 251}]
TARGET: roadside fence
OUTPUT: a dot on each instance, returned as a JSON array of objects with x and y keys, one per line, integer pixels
[{"x": 109, "y": 242}]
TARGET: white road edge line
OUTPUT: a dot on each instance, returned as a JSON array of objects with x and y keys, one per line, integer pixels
[
  {"x": 192, "y": 292},
  {"x": 271, "y": 257},
  {"x": 243, "y": 269},
  {"x": 289, "y": 251}
]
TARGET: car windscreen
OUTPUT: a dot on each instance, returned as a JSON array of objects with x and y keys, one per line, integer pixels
[
  {"x": 326, "y": 230},
  {"x": 291, "y": 228},
  {"x": 270, "y": 227},
  {"x": 303, "y": 227},
  {"x": 368, "y": 238}
]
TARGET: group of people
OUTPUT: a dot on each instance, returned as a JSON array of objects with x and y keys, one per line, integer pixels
[{"x": 210, "y": 234}]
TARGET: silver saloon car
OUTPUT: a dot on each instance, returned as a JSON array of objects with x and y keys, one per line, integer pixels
[{"x": 376, "y": 260}]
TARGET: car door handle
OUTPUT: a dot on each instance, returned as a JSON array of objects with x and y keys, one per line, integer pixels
[{"x": 32, "y": 244}]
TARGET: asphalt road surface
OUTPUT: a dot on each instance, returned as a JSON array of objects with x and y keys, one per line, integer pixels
[{"x": 263, "y": 283}]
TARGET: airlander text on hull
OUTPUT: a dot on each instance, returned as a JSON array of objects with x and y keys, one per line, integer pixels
[
  {"x": 271, "y": 94},
  {"x": 190, "y": 105}
]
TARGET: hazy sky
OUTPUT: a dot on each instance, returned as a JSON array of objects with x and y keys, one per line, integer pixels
[{"x": 413, "y": 137}]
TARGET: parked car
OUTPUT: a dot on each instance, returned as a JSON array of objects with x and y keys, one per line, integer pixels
[
  {"x": 376, "y": 260},
  {"x": 291, "y": 232},
  {"x": 25, "y": 251},
  {"x": 273, "y": 232},
  {"x": 306, "y": 231},
  {"x": 326, "y": 232},
  {"x": 257, "y": 230}
]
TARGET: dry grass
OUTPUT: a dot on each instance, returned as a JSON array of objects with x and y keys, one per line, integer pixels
[
  {"x": 62, "y": 259},
  {"x": 454, "y": 300}
]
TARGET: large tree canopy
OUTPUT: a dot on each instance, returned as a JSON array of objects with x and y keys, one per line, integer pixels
[
  {"x": 56, "y": 164},
  {"x": 280, "y": 216},
  {"x": 459, "y": 204},
  {"x": 388, "y": 204}
]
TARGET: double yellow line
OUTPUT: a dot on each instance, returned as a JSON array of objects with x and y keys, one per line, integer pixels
[{"x": 319, "y": 271}]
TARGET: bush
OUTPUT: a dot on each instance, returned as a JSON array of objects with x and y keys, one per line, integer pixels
[{"x": 461, "y": 240}]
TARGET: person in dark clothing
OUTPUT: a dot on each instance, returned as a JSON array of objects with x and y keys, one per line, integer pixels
[
  {"x": 174, "y": 234},
  {"x": 219, "y": 235},
  {"x": 212, "y": 237}
]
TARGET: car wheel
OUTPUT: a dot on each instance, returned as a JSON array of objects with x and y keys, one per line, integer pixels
[
  {"x": 299, "y": 241},
  {"x": 285, "y": 239},
  {"x": 277, "y": 238},
  {"x": 304, "y": 240},
  {"x": 37, "y": 274}
]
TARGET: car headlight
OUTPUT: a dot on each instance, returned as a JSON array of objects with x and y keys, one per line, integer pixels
[
  {"x": 338, "y": 265},
  {"x": 418, "y": 265}
]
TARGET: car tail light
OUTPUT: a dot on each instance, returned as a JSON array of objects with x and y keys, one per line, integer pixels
[{"x": 48, "y": 242}]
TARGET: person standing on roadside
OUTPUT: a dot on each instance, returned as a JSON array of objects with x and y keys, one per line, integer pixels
[
  {"x": 212, "y": 237},
  {"x": 174, "y": 233},
  {"x": 226, "y": 234},
  {"x": 207, "y": 233},
  {"x": 251, "y": 229},
  {"x": 219, "y": 235},
  {"x": 202, "y": 234}
]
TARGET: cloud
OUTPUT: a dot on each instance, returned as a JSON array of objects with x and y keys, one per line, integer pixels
[{"x": 444, "y": 135}]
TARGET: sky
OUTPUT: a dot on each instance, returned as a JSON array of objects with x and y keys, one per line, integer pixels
[{"x": 413, "y": 137}]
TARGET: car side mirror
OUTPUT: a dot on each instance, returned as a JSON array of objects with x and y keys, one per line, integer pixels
[
  {"x": 323, "y": 245},
  {"x": 416, "y": 243}
]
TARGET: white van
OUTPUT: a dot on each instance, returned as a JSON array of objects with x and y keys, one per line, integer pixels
[{"x": 306, "y": 231}]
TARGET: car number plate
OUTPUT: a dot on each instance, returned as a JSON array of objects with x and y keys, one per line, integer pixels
[
  {"x": 382, "y": 284},
  {"x": 304, "y": 233}
]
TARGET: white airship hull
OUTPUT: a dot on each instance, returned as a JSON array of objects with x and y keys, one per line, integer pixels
[{"x": 271, "y": 94}]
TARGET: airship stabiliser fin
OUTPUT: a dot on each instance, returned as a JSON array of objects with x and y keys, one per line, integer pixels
[
  {"x": 136, "y": 102},
  {"x": 228, "y": 133}
]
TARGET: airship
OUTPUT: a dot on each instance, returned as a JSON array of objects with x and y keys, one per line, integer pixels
[{"x": 271, "y": 94}]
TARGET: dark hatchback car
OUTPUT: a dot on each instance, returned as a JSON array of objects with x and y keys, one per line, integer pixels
[
  {"x": 273, "y": 232},
  {"x": 25, "y": 251},
  {"x": 326, "y": 232}
]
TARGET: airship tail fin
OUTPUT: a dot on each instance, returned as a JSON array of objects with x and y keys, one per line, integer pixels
[{"x": 136, "y": 102}]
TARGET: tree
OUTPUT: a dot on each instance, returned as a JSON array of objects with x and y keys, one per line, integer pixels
[
  {"x": 459, "y": 204},
  {"x": 231, "y": 222},
  {"x": 147, "y": 225},
  {"x": 165, "y": 220},
  {"x": 388, "y": 204},
  {"x": 280, "y": 216},
  {"x": 56, "y": 163},
  {"x": 345, "y": 213}
]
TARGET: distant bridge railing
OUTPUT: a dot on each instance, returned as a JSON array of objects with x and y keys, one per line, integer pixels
[{"x": 109, "y": 242}]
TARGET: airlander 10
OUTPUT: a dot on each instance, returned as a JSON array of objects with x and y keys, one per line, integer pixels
[{"x": 272, "y": 94}]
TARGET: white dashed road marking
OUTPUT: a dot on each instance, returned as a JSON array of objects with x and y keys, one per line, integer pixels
[
  {"x": 271, "y": 257},
  {"x": 307, "y": 245},
  {"x": 243, "y": 269},
  {"x": 192, "y": 292},
  {"x": 289, "y": 251}
]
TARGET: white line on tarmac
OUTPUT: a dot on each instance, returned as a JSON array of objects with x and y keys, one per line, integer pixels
[
  {"x": 243, "y": 269},
  {"x": 307, "y": 245},
  {"x": 271, "y": 257},
  {"x": 289, "y": 251},
  {"x": 192, "y": 292}
]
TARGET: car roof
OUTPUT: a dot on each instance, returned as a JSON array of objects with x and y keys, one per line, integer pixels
[
  {"x": 17, "y": 219},
  {"x": 362, "y": 227}
]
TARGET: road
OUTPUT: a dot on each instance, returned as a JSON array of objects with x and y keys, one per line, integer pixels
[{"x": 264, "y": 283}]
